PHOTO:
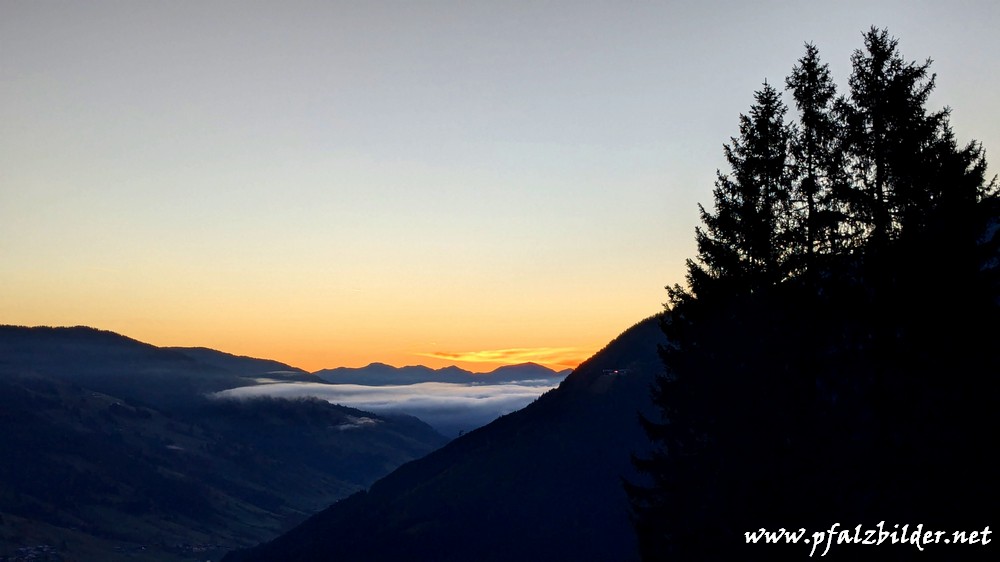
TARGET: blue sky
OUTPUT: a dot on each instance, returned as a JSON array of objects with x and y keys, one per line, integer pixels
[{"x": 336, "y": 183}]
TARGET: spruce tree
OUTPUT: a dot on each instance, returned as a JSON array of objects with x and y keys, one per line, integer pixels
[
  {"x": 889, "y": 138},
  {"x": 743, "y": 254},
  {"x": 742, "y": 245},
  {"x": 819, "y": 177}
]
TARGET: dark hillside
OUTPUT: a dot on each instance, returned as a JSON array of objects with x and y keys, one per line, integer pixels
[{"x": 109, "y": 449}]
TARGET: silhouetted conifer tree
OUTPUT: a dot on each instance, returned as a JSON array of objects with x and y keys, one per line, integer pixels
[
  {"x": 744, "y": 251},
  {"x": 889, "y": 138},
  {"x": 742, "y": 245},
  {"x": 859, "y": 395},
  {"x": 820, "y": 177}
]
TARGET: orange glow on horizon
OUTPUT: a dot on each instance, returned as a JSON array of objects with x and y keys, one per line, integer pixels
[
  {"x": 555, "y": 357},
  {"x": 315, "y": 350}
]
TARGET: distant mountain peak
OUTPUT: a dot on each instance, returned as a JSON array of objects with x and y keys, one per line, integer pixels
[{"x": 378, "y": 365}]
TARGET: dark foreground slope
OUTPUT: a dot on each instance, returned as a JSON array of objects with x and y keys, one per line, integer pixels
[
  {"x": 110, "y": 451},
  {"x": 540, "y": 483}
]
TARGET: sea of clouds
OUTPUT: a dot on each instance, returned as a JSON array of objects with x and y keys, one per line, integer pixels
[{"x": 448, "y": 407}]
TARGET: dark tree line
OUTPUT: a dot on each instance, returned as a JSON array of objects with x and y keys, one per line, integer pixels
[{"x": 834, "y": 355}]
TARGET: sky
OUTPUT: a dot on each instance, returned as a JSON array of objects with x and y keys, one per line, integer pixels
[{"x": 337, "y": 183}]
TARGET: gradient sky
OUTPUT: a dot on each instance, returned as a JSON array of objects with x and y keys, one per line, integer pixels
[{"x": 335, "y": 183}]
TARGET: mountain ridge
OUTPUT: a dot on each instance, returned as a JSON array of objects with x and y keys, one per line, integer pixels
[
  {"x": 380, "y": 374},
  {"x": 249, "y": 367}
]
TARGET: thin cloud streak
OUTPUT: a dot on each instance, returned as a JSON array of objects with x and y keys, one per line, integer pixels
[{"x": 569, "y": 357}]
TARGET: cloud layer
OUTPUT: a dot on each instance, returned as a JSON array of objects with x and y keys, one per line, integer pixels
[{"x": 449, "y": 408}]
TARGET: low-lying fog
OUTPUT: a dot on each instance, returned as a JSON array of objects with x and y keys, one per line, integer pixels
[{"x": 448, "y": 407}]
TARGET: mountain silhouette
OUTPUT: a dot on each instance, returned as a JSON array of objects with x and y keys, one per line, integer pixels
[
  {"x": 248, "y": 367},
  {"x": 108, "y": 362},
  {"x": 540, "y": 483},
  {"x": 380, "y": 374}
]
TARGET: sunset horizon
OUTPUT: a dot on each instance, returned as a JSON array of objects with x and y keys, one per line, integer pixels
[
  {"x": 340, "y": 184},
  {"x": 480, "y": 361}
]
